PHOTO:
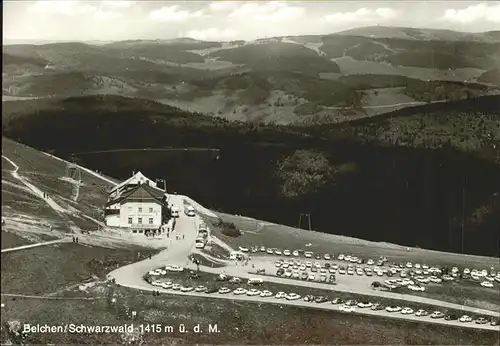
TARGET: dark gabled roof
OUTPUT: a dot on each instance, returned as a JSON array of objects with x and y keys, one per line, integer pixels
[{"x": 141, "y": 192}]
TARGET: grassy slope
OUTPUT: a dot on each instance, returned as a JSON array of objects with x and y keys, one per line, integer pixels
[{"x": 46, "y": 174}]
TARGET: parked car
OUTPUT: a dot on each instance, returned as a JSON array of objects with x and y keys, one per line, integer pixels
[
  {"x": 365, "y": 304},
  {"x": 224, "y": 290},
  {"x": 280, "y": 272},
  {"x": 239, "y": 291},
  {"x": 327, "y": 256},
  {"x": 481, "y": 320},
  {"x": 309, "y": 298},
  {"x": 211, "y": 290},
  {"x": 253, "y": 292},
  {"x": 465, "y": 318},
  {"x": 407, "y": 311},
  {"x": 320, "y": 299},
  {"x": 235, "y": 280},
  {"x": 292, "y": 296},
  {"x": 437, "y": 314},
  {"x": 280, "y": 295},
  {"x": 347, "y": 308},
  {"x": 295, "y": 253},
  {"x": 176, "y": 287},
  {"x": 337, "y": 301},
  {"x": 377, "y": 307},
  {"x": 421, "y": 312},
  {"x": 266, "y": 293},
  {"x": 393, "y": 309},
  {"x": 304, "y": 276},
  {"x": 200, "y": 288},
  {"x": 487, "y": 284},
  {"x": 286, "y": 252}
]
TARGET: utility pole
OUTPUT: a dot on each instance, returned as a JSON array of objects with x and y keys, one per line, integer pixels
[{"x": 308, "y": 216}]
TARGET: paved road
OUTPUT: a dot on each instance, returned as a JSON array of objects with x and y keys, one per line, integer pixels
[
  {"x": 23, "y": 247},
  {"x": 48, "y": 297}
]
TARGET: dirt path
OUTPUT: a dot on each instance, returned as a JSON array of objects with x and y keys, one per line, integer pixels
[
  {"x": 23, "y": 247},
  {"x": 35, "y": 189}
]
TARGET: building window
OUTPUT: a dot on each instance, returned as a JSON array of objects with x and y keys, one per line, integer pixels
[
  {"x": 139, "y": 220},
  {"x": 129, "y": 220},
  {"x": 151, "y": 210},
  {"x": 150, "y": 220},
  {"x": 140, "y": 209}
]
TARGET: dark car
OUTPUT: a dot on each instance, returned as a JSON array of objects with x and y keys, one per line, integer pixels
[
  {"x": 481, "y": 320},
  {"x": 321, "y": 299},
  {"x": 280, "y": 272},
  {"x": 332, "y": 278},
  {"x": 495, "y": 322},
  {"x": 451, "y": 317},
  {"x": 389, "y": 274},
  {"x": 318, "y": 257},
  {"x": 369, "y": 273},
  {"x": 211, "y": 290},
  {"x": 377, "y": 307},
  {"x": 304, "y": 276},
  {"x": 327, "y": 265},
  {"x": 351, "y": 302}
]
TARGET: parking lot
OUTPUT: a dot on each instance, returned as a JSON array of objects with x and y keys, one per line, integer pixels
[{"x": 179, "y": 280}]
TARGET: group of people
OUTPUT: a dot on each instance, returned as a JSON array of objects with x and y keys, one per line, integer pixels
[{"x": 75, "y": 239}]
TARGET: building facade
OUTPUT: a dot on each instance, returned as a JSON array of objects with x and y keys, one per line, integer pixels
[{"x": 137, "y": 204}]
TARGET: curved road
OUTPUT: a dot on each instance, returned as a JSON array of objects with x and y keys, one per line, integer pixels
[{"x": 132, "y": 276}]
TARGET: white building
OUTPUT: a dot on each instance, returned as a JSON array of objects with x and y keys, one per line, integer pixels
[{"x": 137, "y": 204}]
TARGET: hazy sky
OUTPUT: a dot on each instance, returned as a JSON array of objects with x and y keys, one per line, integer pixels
[{"x": 222, "y": 20}]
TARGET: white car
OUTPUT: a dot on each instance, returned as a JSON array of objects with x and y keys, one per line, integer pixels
[
  {"x": 186, "y": 288},
  {"x": 465, "y": 318},
  {"x": 359, "y": 272},
  {"x": 416, "y": 288},
  {"x": 421, "y": 313},
  {"x": 280, "y": 295},
  {"x": 243, "y": 249},
  {"x": 425, "y": 266},
  {"x": 323, "y": 271},
  {"x": 156, "y": 283},
  {"x": 309, "y": 264},
  {"x": 327, "y": 256},
  {"x": 364, "y": 304},
  {"x": 370, "y": 262},
  {"x": 435, "y": 279},
  {"x": 295, "y": 253},
  {"x": 278, "y": 264},
  {"x": 407, "y": 311},
  {"x": 174, "y": 268},
  {"x": 311, "y": 277},
  {"x": 288, "y": 274},
  {"x": 342, "y": 271},
  {"x": 317, "y": 265},
  {"x": 285, "y": 265},
  {"x": 341, "y": 257},
  {"x": 189, "y": 211},
  {"x": 253, "y": 292},
  {"x": 393, "y": 309},
  {"x": 417, "y": 265},
  {"x": 166, "y": 285},
  {"x": 347, "y": 308},
  {"x": 422, "y": 280},
  {"x": 266, "y": 293},
  {"x": 155, "y": 272},
  {"x": 270, "y": 251},
  {"x": 409, "y": 265},
  {"x": 277, "y": 252},
  {"x": 224, "y": 290},
  {"x": 302, "y": 267},
  {"x": 292, "y": 296},
  {"x": 200, "y": 288},
  {"x": 262, "y": 249},
  {"x": 287, "y": 252},
  {"x": 350, "y": 272},
  {"x": 239, "y": 291},
  {"x": 487, "y": 284},
  {"x": 447, "y": 278},
  {"x": 176, "y": 287},
  {"x": 308, "y": 254}
]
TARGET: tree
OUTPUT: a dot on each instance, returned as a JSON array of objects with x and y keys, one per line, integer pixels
[{"x": 304, "y": 172}]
